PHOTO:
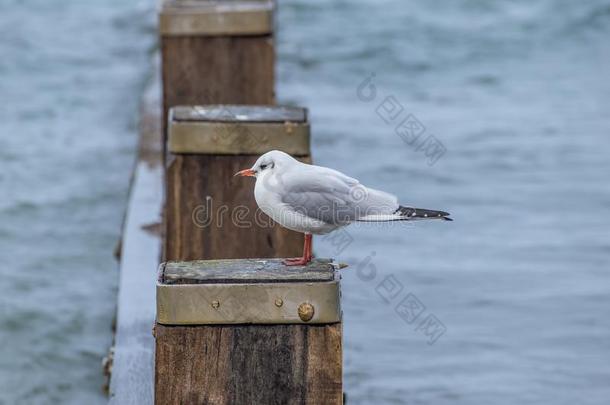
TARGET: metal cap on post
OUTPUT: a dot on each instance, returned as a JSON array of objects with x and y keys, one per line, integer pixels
[
  {"x": 259, "y": 291},
  {"x": 248, "y": 331},
  {"x": 187, "y": 18},
  {"x": 238, "y": 130}
]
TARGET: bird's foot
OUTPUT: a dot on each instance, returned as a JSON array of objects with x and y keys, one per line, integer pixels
[{"x": 296, "y": 261}]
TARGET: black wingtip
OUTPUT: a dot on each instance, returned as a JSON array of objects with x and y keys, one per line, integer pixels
[{"x": 421, "y": 213}]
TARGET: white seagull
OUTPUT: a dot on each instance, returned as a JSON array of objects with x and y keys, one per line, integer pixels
[{"x": 318, "y": 200}]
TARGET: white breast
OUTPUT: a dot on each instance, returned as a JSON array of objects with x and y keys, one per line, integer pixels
[{"x": 268, "y": 196}]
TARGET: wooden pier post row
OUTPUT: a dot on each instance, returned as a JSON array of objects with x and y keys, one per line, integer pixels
[
  {"x": 209, "y": 213},
  {"x": 248, "y": 332},
  {"x": 216, "y": 52}
]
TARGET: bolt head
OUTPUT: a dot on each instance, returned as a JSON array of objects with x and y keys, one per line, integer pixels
[
  {"x": 215, "y": 304},
  {"x": 279, "y": 302},
  {"x": 306, "y": 311}
]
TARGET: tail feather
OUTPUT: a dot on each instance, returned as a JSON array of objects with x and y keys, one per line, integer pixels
[
  {"x": 420, "y": 213},
  {"x": 407, "y": 214}
]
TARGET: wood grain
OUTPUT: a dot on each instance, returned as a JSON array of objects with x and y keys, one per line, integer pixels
[
  {"x": 245, "y": 271},
  {"x": 254, "y": 364},
  {"x": 217, "y": 70},
  {"x": 202, "y": 189}
]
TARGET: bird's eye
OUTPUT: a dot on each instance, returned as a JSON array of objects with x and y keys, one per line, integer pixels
[{"x": 263, "y": 167}]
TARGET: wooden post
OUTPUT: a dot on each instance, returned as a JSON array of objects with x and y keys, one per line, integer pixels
[
  {"x": 209, "y": 213},
  {"x": 216, "y": 53},
  {"x": 248, "y": 332}
]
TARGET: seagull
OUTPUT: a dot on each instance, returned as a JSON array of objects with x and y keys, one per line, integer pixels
[{"x": 316, "y": 200}]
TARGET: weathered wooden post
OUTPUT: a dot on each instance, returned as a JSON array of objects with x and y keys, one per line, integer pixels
[
  {"x": 234, "y": 331},
  {"x": 248, "y": 332},
  {"x": 216, "y": 52},
  {"x": 209, "y": 213}
]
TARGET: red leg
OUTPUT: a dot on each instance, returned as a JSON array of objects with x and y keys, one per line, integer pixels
[
  {"x": 307, "y": 255},
  {"x": 307, "y": 247}
]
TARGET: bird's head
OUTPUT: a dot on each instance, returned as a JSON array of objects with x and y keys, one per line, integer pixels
[{"x": 270, "y": 162}]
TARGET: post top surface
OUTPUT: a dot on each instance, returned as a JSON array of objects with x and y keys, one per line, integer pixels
[
  {"x": 216, "y": 6},
  {"x": 240, "y": 113},
  {"x": 242, "y": 271},
  {"x": 215, "y": 18}
]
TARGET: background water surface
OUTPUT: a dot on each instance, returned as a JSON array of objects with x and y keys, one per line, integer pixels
[{"x": 70, "y": 75}]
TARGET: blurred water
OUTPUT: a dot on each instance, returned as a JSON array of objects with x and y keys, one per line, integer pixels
[
  {"x": 70, "y": 75},
  {"x": 518, "y": 94}
]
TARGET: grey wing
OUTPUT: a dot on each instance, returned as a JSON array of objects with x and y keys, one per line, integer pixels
[
  {"x": 331, "y": 196},
  {"x": 319, "y": 193}
]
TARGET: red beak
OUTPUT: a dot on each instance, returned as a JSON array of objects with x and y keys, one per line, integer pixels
[{"x": 246, "y": 172}]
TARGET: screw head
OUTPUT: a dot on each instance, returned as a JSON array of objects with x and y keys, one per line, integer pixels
[
  {"x": 279, "y": 302},
  {"x": 306, "y": 311},
  {"x": 215, "y": 304}
]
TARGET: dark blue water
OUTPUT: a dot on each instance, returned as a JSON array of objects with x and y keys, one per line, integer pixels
[{"x": 505, "y": 106}]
